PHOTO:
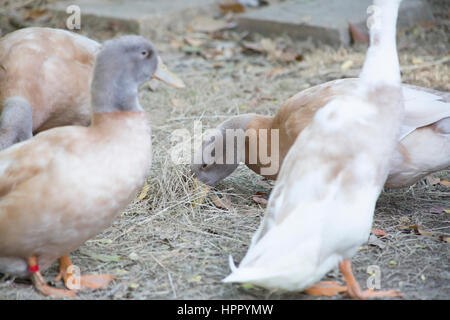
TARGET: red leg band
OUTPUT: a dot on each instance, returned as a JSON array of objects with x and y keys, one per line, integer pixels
[{"x": 33, "y": 269}]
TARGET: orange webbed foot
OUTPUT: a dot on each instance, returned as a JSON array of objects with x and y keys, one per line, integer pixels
[
  {"x": 326, "y": 288},
  {"x": 354, "y": 290},
  {"x": 41, "y": 285},
  {"x": 74, "y": 282},
  {"x": 372, "y": 294}
]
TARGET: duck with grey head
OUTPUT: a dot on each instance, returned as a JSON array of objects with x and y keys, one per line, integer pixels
[{"x": 83, "y": 177}]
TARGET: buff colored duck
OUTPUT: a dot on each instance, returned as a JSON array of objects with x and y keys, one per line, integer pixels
[
  {"x": 66, "y": 185},
  {"x": 321, "y": 208},
  {"x": 45, "y": 75},
  {"x": 423, "y": 146}
]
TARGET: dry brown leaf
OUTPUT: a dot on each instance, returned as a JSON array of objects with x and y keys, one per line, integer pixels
[
  {"x": 34, "y": 14},
  {"x": 445, "y": 183},
  {"x": 424, "y": 232},
  {"x": 430, "y": 180},
  {"x": 444, "y": 238},
  {"x": 202, "y": 190},
  {"x": 193, "y": 42},
  {"x": 437, "y": 209},
  {"x": 378, "y": 232},
  {"x": 231, "y": 6},
  {"x": 358, "y": 36},
  {"x": 221, "y": 203},
  {"x": 260, "y": 200}
]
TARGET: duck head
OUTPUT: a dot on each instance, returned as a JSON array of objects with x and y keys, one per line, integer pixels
[
  {"x": 213, "y": 162},
  {"x": 126, "y": 63}
]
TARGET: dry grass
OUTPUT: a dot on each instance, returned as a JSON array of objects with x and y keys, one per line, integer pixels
[{"x": 163, "y": 247}]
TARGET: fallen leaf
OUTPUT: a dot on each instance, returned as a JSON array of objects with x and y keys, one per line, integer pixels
[
  {"x": 133, "y": 285},
  {"x": 437, "y": 209},
  {"x": 424, "y": 232},
  {"x": 202, "y": 191},
  {"x": 247, "y": 286},
  {"x": 430, "y": 180},
  {"x": 193, "y": 42},
  {"x": 34, "y": 14},
  {"x": 231, "y": 6},
  {"x": 393, "y": 262},
  {"x": 445, "y": 183},
  {"x": 252, "y": 47},
  {"x": 144, "y": 192},
  {"x": 260, "y": 200},
  {"x": 374, "y": 241},
  {"x": 196, "y": 278},
  {"x": 358, "y": 36},
  {"x": 378, "y": 232},
  {"x": 221, "y": 203},
  {"x": 346, "y": 65},
  {"x": 444, "y": 238}
]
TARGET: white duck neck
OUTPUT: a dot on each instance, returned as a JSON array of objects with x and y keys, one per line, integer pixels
[{"x": 381, "y": 66}]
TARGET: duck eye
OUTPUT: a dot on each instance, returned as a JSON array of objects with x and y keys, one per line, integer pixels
[{"x": 146, "y": 54}]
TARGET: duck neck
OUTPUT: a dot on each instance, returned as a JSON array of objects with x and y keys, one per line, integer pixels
[
  {"x": 259, "y": 147},
  {"x": 117, "y": 93},
  {"x": 381, "y": 65}
]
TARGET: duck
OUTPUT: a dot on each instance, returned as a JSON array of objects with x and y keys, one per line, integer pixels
[
  {"x": 65, "y": 185},
  {"x": 321, "y": 208},
  {"x": 45, "y": 75},
  {"x": 423, "y": 147}
]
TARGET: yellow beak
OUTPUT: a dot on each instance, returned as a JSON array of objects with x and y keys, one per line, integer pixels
[{"x": 165, "y": 75}]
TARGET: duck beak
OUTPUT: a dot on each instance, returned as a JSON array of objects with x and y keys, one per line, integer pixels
[{"x": 165, "y": 75}]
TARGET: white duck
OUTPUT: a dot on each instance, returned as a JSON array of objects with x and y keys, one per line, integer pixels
[{"x": 322, "y": 206}]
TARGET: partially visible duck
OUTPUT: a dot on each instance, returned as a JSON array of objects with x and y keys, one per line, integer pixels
[
  {"x": 321, "y": 208},
  {"x": 423, "y": 148},
  {"x": 45, "y": 75},
  {"x": 66, "y": 185}
]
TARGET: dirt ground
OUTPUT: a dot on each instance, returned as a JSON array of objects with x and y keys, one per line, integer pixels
[{"x": 164, "y": 247}]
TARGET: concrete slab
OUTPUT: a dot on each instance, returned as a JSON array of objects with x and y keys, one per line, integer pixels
[
  {"x": 324, "y": 20},
  {"x": 137, "y": 16}
]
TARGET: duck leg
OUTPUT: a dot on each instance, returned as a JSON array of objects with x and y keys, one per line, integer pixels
[
  {"x": 67, "y": 273},
  {"x": 40, "y": 284},
  {"x": 326, "y": 288},
  {"x": 354, "y": 290}
]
